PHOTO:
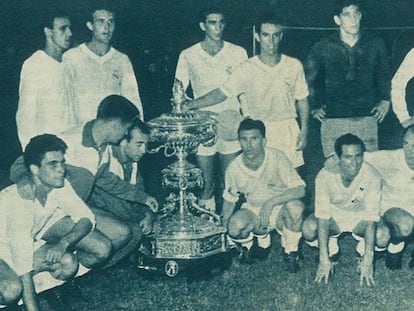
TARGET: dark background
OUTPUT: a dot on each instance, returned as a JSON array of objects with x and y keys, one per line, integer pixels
[{"x": 153, "y": 32}]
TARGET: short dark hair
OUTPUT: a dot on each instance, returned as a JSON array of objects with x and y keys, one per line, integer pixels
[
  {"x": 269, "y": 18},
  {"x": 202, "y": 16},
  {"x": 348, "y": 139},
  {"x": 408, "y": 129},
  {"x": 339, "y": 5},
  {"x": 100, "y": 5},
  {"x": 39, "y": 145},
  {"x": 49, "y": 15},
  {"x": 117, "y": 107},
  {"x": 141, "y": 126},
  {"x": 250, "y": 124}
]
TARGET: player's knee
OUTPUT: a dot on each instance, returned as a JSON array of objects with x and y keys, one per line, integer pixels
[
  {"x": 69, "y": 265},
  {"x": 295, "y": 209},
  {"x": 236, "y": 227},
  {"x": 10, "y": 290},
  {"x": 310, "y": 228},
  {"x": 123, "y": 234},
  {"x": 103, "y": 249},
  {"x": 405, "y": 227},
  {"x": 382, "y": 236},
  {"x": 126, "y": 233}
]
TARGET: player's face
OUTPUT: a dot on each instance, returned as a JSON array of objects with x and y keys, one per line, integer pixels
[
  {"x": 252, "y": 143},
  {"x": 269, "y": 38},
  {"x": 136, "y": 147},
  {"x": 350, "y": 161},
  {"x": 408, "y": 147},
  {"x": 349, "y": 20},
  {"x": 61, "y": 33},
  {"x": 117, "y": 130},
  {"x": 214, "y": 26},
  {"x": 103, "y": 26},
  {"x": 52, "y": 168}
]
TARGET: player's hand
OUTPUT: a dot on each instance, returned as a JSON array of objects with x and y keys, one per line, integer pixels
[
  {"x": 26, "y": 189},
  {"x": 147, "y": 224},
  {"x": 331, "y": 163},
  {"x": 55, "y": 253},
  {"x": 301, "y": 140},
  {"x": 366, "y": 269},
  {"x": 319, "y": 113},
  {"x": 325, "y": 268},
  {"x": 264, "y": 214},
  {"x": 186, "y": 105},
  {"x": 381, "y": 110},
  {"x": 152, "y": 204}
]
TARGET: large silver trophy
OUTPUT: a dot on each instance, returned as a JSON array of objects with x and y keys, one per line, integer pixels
[{"x": 184, "y": 230}]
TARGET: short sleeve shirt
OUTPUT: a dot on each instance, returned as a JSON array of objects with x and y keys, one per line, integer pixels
[
  {"x": 272, "y": 178},
  {"x": 206, "y": 73},
  {"x": 361, "y": 198},
  {"x": 270, "y": 92},
  {"x": 22, "y": 222},
  {"x": 398, "y": 178}
]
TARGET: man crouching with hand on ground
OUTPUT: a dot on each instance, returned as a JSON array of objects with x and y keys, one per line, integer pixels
[{"x": 346, "y": 202}]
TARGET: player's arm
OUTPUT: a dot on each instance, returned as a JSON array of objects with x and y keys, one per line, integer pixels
[
  {"x": 398, "y": 88},
  {"x": 289, "y": 194},
  {"x": 322, "y": 214},
  {"x": 230, "y": 194},
  {"x": 372, "y": 207},
  {"x": 21, "y": 248},
  {"x": 302, "y": 107},
  {"x": 20, "y": 175},
  {"x": 182, "y": 72},
  {"x": 29, "y": 294},
  {"x": 26, "y": 113},
  {"x": 382, "y": 82},
  {"x": 295, "y": 188},
  {"x": 77, "y": 233},
  {"x": 325, "y": 265},
  {"x": 213, "y": 97},
  {"x": 227, "y": 211},
  {"x": 294, "y": 193},
  {"x": 129, "y": 87},
  {"x": 119, "y": 188},
  {"x": 367, "y": 264},
  {"x": 313, "y": 73}
]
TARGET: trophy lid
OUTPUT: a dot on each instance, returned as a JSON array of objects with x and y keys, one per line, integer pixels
[{"x": 178, "y": 119}]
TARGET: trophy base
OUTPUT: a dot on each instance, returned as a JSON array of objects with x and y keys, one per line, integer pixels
[{"x": 179, "y": 240}]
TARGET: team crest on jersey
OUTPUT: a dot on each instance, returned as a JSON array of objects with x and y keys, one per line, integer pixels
[
  {"x": 229, "y": 70},
  {"x": 116, "y": 75}
]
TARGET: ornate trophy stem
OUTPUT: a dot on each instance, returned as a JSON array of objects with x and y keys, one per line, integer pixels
[{"x": 185, "y": 231}]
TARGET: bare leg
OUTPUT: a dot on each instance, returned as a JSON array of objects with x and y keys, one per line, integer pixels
[
  {"x": 10, "y": 285},
  {"x": 63, "y": 270},
  {"x": 400, "y": 222},
  {"x": 125, "y": 235},
  {"x": 130, "y": 247},
  {"x": 93, "y": 249},
  {"x": 117, "y": 231},
  {"x": 206, "y": 164}
]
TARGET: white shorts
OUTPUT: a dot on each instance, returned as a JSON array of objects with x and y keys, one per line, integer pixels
[
  {"x": 282, "y": 135},
  {"x": 366, "y": 128},
  {"x": 221, "y": 146},
  {"x": 346, "y": 222},
  {"x": 272, "y": 217}
]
